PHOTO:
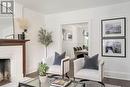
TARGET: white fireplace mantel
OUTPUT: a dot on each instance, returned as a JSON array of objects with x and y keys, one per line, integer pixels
[
  {"x": 14, "y": 53},
  {"x": 17, "y": 43}
]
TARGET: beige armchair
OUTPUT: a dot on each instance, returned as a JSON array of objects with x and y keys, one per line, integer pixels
[
  {"x": 62, "y": 69},
  {"x": 88, "y": 74}
]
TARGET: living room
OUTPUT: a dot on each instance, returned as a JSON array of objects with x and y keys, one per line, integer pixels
[{"x": 54, "y": 16}]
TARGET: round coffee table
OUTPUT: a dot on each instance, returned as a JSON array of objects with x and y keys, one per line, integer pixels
[{"x": 88, "y": 83}]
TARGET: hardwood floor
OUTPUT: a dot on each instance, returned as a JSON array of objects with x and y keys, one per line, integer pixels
[
  {"x": 32, "y": 75},
  {"x": 122, "y": 83}
]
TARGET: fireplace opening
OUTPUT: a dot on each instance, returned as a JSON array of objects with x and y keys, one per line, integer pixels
[{"x": 4, "y": 71}]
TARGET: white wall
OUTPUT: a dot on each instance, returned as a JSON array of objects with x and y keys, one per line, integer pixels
[
  {"x": 5, "y": 32},
  {"x": 114, "y": 67},
  {"x": 35, "y": 51}
]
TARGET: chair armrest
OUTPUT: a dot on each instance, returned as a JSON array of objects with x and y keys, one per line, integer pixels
[
  {"x": 65, "y": 65},
  {"x": 65, "y": 59},
  {"x": 101, "y": 64},
  {"x": 101, "y": 68},
  {"x": 78, "y": 64}
]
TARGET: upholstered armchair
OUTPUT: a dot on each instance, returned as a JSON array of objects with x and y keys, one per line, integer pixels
[
  {"x": 88, "y": 74},
  {"x": 62, "y": 69}
]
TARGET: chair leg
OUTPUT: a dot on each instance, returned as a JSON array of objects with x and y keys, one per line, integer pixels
[
  {"x": 84, "y": 85},
  {"x": 66, "y": 75},
  {"x": 102, "y": 83},
  {"x": 19, "y": 85},
  {"x": 63, "y": 76},
  {"x": 74, "y": 79}
]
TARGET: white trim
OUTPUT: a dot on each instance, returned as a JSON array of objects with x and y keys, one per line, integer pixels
[
  {"x": 89, "y": 37},
  {"x": 117, "y": 75}
]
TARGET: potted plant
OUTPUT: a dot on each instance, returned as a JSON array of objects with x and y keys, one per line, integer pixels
[
  {"x": 42, "y": 69},
  {"x": 45, "y": 38}
]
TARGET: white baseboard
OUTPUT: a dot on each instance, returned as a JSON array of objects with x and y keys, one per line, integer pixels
[{"x": 117, "y": 75}]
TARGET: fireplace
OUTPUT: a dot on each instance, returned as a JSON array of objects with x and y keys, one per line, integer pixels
[
  {"x": 5, "y": 71},
  {"x": 12, "y": 61}
]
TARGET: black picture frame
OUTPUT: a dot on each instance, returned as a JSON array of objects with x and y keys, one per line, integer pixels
[
  {"x": 119, "y": 24},
  {"x": 123, "y": 40}
]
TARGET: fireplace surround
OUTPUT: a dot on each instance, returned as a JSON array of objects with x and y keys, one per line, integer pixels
[
  {"x": 14, "y": 42},
  {"x": 12, "y": 54}
]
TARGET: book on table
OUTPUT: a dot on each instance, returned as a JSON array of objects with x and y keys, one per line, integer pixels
[{"x": 60, "y": 83}]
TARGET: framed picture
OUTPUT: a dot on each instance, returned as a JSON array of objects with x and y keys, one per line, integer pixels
[
  {"x": 67, "y": 35},
  {"x": 113, "y": 27},
  {"x": 7, "y": 7},
  {"x": 114, "y": 47}
]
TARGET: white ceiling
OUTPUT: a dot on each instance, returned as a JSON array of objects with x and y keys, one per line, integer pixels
[{"x": 55, "y": 6}]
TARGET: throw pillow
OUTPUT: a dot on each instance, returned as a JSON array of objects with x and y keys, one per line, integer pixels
[
  {"x": 91, "y": 63},
  {"x": 58, "y": 58}
]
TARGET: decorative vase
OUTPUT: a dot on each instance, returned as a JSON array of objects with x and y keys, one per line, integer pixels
[
  {"x": 23, "y": 36},
  {"x": 20, "y": 36},
  {"x": 42, "y": 79}
]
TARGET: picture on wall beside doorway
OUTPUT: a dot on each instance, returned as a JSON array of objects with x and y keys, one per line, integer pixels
[
  {"x": 114, "y": 47},
  {"x": 113, "y": 34},
  {"x": 113, "y": 27}
]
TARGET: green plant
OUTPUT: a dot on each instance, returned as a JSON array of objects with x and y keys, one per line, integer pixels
[
  {"x": 42, "y": 69},
  {"x": 45, "y": 38}
]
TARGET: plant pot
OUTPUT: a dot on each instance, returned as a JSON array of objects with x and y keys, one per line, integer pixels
[{"x": 42, "y": 79}]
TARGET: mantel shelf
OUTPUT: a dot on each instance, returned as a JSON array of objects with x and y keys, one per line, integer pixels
[{"x": 12, "y": 42}]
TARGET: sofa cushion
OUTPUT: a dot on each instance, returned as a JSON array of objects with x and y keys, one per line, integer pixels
[
  {"x": 58, "y": 58},
  {"x": 91, "y": 63}
]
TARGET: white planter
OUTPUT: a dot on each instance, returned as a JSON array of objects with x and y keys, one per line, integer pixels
[{"x": 42, "y": 79}]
